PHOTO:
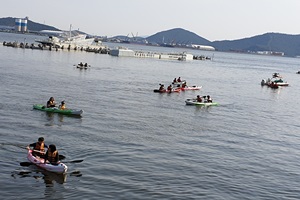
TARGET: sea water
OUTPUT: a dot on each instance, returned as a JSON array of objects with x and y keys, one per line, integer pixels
[{"x": 137, "y": 144}]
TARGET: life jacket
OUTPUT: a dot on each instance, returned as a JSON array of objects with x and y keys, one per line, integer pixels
[
  {"x": 63, "y": 107},
  {"x": 39, "y": 147},
  {"x": 51, "y": 157}
]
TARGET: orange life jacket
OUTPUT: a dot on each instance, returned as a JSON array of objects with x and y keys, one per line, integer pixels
[
  {"x": 51, "y": 157},
  {"x": 62, "y": 106},
  {"x": 39, "y": 147}
]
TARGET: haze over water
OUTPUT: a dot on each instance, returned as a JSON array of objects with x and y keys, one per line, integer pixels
[{"x": 137, "y": 144}]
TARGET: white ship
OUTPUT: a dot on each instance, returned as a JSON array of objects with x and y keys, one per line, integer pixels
[
  {"x": 124, "y": 52},
  {"x": 73, "y": 40}
]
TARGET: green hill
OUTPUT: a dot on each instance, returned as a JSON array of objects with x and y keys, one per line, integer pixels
[
  {"x": 177, "y": 36},
  {"x": 277, "y": 42}
]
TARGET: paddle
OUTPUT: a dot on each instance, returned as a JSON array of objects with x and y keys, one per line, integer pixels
[
  {"x": 26, "y": 164},
  {"x": 61, "y": 157}
]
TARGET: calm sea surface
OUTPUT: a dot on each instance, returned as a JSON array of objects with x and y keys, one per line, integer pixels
[{"x": 137, "y": 144}]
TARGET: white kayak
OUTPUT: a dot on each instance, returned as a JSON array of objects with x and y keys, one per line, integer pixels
[
  {"x": 194, "y": 102},
  {"x": 191, "y": 88},
  {"x": 61, "y": 168}
]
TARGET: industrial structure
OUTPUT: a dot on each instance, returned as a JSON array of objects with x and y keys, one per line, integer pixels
[{"x": 21, "y": 24}]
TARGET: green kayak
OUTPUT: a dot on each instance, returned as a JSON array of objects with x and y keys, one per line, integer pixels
[{"x": 57, "y": 110}]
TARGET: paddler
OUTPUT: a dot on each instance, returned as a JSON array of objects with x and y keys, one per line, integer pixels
[
  {"x": 199, "y": 99},
  {"x": 174, "y": 81},
  {"x": 52, "y": 155},
  {"x": 209, "y": 99},
  {"x": 161, "y": 87},
  {"x": 169, "y": 88},
  {"x": 51, "y": 103},
  {"x": 38, "y": 147},
  {"x": 62, "y": 105}
]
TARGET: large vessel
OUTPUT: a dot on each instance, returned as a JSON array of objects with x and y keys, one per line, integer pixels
[{"x": 125, "y": 52}]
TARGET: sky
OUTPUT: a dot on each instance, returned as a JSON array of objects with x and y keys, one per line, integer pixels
[{"x": 211, "y": 19}]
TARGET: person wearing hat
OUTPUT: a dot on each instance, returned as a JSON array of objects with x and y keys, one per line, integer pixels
[
  {"x": 38, "y": 147},
  {"x": 52, "y": 155}
]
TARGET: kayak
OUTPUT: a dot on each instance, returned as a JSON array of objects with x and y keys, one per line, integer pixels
[
  {"x": 167, "y": 91},
  {"x": 191, "y": 88},
  {"x": 39, "y": 162},
  {"x": 57, "y": 110},
  {"x": 196, "y": 103},
  {"x": 82, "y": 66}
]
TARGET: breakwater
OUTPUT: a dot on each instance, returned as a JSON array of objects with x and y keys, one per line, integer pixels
[{"x": 91, "y": 48}]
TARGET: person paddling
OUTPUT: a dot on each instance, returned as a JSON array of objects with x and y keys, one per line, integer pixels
[
  {"x": 169, "y": 89},
  {"x": 199, "y": 99},
  {"x": 38, "y": 146},
  {"x": 209, "y": 99},
  {"x": 62, "y": 105},
  {"x": 161, "y": 87},
  {"x": 51, "y": 103},
  {"x": 52, "y": 155}
]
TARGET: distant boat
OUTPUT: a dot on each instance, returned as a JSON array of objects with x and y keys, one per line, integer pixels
[{"x": 166, "y": 45}]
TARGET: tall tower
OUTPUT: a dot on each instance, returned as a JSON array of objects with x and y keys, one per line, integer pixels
[
  {"x": 18, "y": 24},
  {"x": 24, "y": 25}
]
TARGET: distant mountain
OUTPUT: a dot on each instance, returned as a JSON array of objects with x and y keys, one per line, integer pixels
[
  {"x": 276, "y": 42},
  {"x": 31, "y": 26},
  {"x": 177, "y": 36}
]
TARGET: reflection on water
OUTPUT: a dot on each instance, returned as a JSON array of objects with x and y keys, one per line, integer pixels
[
  {"x": 57, "y": 118},
  {"x": 49, "y": 177}
]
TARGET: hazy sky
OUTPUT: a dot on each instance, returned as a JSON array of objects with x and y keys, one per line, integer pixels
[{"x": 210, "y": 19}]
